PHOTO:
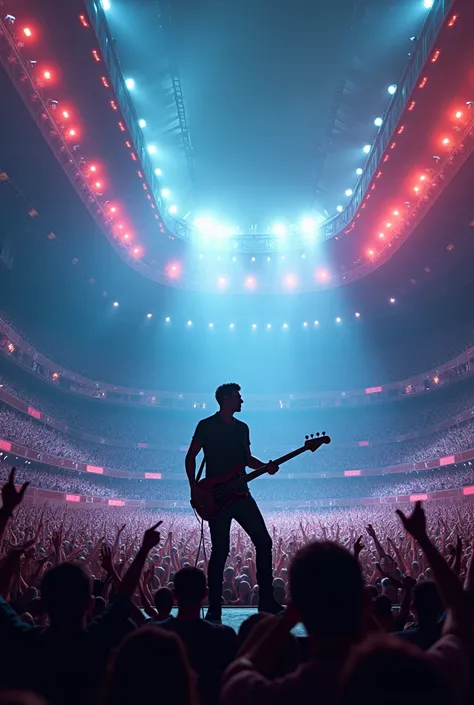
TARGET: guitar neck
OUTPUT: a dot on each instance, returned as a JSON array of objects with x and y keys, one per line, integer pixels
[{"x": 279, "y": 461}]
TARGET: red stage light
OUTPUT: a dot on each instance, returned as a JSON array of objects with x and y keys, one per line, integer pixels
[
  {"x": 98, "y": 184},
  {"x": 95, "y": 54},
  {"x": 435, "y": 56},
  {"x": 113, "y": 105},
  {"x": 174, "y": 270},
  {"x": 27, "y": 32},
  {"x": 72, "y": 132},
  {"x": 83, "y": 21},
  {"x": 423, "y": 82},
  {"x": 423, "y": 177},
  {"x": 93, "y": 168},
  {"x": 400, "y": 130},
  {"x": 446, "y": 141},
  {"x": 452, "y": 20},
  {"x": 121, "y": 126},
  {"x": 47, "y": 75},
  {"x": 412, "y": 105},
  {"x": 250, "y": 282},
  {"x": 458, "y": 115},
  {"x": 105, "y": 82},
  {"x": 370, "y": 253},
  {"x": 381, "y": 235},
  {"x": 65, "y": 114}
]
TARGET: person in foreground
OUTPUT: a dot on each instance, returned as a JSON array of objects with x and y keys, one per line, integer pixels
[
  {"x": 327, "y": 595},
  {"x": 64, "y": 662},
  {"x": 210, "y": 647},
  {"x": 226, "y": 445}
]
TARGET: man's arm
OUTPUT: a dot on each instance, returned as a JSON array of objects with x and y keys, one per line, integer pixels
[
  {"x": 10, "y": 499},
  {"x": 190, "y": 462}
]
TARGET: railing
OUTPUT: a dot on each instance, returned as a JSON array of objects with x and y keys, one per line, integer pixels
[
  {"x": 8, "y": 447},
  {"x": 331, "y": 227},
  {"x": 39, "y": 496}
]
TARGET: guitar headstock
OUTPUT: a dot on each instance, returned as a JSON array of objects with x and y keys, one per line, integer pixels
[{"x": 313, "y": 442}]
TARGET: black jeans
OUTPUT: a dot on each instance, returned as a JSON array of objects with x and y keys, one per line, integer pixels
[{"x": 246, "y": 513}]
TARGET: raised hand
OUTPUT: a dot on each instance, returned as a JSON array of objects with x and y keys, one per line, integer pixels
[
  {"x": 105, "y": 558},
  {"x": 370, "y": 530},
  {"x": 10, "y": 497},
  {"x": 151, "y": 537},
  {"x": 272, "y": 467},
  {"x": 415, "y": 524},
  {"x": 358, "y": 547}
]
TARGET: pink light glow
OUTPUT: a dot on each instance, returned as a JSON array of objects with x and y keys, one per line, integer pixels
[
  {"x": 250, "y": 282},
  {"x": 173, "y": 270},
  {"x": 291, "y": 281}
]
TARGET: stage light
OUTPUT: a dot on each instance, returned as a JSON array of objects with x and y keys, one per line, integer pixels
[
  {"x": 279, "y": 229},
  {"x": 116, "y": 304},
  {"x": 234, "y": 259},
  {"x": 167, "y": 319},
  {"x": 254, "y": 325},
  {"x": 98, "y": 184},
  {"x": 381, "y": 236},
  {"x": 308, "y": 226},
  {"x": 72, "y": 132},
  {"x": 149, "y": 315},
  {"x": 396, "y": 212},
  {"x": 130, "y": 83},
  {"x": 338, "y": 320},
  {"x": 222, "y": 282},
  {"x": 367, "y": 148},
  {"x": 231, "y": 325},
  {"x": 370, "y": 253},
  {"x": 105, "y": 5},
  {"x": 359, "y": 171},
  {"x": 392, "y": 300},
  {"x": 316, "y": 323},
  {"x": 252, "y": 259},
  {"x": 348, "y": 192},
  {"x": 65, "y": 114},
  {"x": 416, "y": 189},
  {"x": 142, "y": 123},
  {"x": 290, "y": 281},
  {"x": 269, "y": 259},
  {"x": 269, "y": 325},
  {"x": 357, "y": 314},
  {"x": 428, "y": 4},
  {"x": 152, "y": 149},
  {"x": 458, "y": 114},
  {"x": 158, "y": 172},
  {"x": 27, "y": 32},
  {"x": 446, "y": 140},
  {"x": 93, "y": 168},
  {"x": 378, "y": 122},
  {"x": 47, "y": 75},
  {"x": 340, "y": 209},
  {"x": 190, "y": 323},
  {"x": 166, "y": 193},
  {"x": 285, "y": 326},
  {"x": 392, "y": 89},
  {"x": 250, "y": 282},
  {"x": 173, "y": 209},
  {"x": 211, "y": 325},
  {"x": 305, "y": 324}
]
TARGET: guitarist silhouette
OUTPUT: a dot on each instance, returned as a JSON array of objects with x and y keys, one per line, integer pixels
[{"x": 226, "y": 444}]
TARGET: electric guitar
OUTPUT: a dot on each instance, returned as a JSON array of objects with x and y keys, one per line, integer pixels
[{"x": 219, "y": 492}]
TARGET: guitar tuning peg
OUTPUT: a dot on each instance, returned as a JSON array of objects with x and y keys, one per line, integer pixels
[
  {"x": 324, "y": 433},
  {"x": 317, "y": 435},
  {"x": 312, "y": 435},
  {"x": 307, "y": 438}
]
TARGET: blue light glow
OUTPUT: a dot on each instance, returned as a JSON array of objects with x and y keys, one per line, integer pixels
[
  {"x": 142, "y": 123},
  {"x": 378, "y": 122},
  {"x": 392, "y": 89},
  {"x": 130, "y": 83}
]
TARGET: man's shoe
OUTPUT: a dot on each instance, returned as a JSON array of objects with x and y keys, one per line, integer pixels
[
  {"x": 214, "y": 615},
  {"x": 270, "y": 606}
]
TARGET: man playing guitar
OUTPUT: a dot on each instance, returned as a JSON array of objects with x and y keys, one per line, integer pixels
[{"x": 226, "y": 444}]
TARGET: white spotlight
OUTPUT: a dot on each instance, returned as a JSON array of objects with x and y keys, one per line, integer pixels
[
  {"x": 359, "y": 171},
  {"x": 142, "y": 123},
  {"x": 152, "y": 149},
  {"x": 190, "y": 323},
  {"x": 340, "y": 209},
  {"x": 338, "y": 320},
  {"x": 158, "y": 172},
  {"x": 166, "y": 193},
  {"x": 167, "y": 319},
  {"x": 149, "y": 315},
  {"x": 105, "y": 5},
  {"x": 173, "y": 209},
  {"x": 130, "y": 83},
  {"x": 348, "y": 192},
  {"x": 392, "y": 89},
  {"x": 308, "y": 226},
  {"x": 428, "y": 4},
  {"x": 279, "y": 229},
  {"x": 211, "y": 325},
  {"x": 254, "y": 325},
  {"x": 116, "y": 304},
  {"x": 367, "y": 148},
  {"x": 378, "y": 122}
]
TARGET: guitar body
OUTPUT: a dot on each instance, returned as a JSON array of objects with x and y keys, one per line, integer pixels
[
  {"x": 219, "y": 492},
  {"x": 216, "y": 499}
]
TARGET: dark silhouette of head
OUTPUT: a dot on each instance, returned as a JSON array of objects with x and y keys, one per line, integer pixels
[
  {"x": 66, "y": 594},
  {"x": 228, "y": 397},
  {"x": 395, "y": 672},
  {"x": 164, "y": 601},
  {"x": 190, "y": 588},
  {"x": 427, "y": 603},
  {"x": 327, "y": 589},
  {"x": 150, "y": 665}
]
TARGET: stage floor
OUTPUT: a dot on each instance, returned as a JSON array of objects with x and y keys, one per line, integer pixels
[{"x": 234, "y": 616}]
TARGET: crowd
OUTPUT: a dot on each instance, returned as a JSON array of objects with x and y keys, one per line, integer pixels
[
  {"x": 267, "y": 489},
  {"x": 86, "y": 598}
]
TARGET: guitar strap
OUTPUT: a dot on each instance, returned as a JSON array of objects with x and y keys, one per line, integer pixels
[{"x": 201, "y": 469}]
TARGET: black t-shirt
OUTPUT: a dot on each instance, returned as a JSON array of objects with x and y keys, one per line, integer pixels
[{"x": 225, "y": 445}]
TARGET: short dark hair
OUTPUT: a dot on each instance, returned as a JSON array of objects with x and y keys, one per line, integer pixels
[
  {"x": 426, "y": 601},
  {"x": 163, "y": 600},
  {"x": 225, "y": 391},
  {"x": 66, "y": 591},
  {"x": 327, "y": 589},
  {"x": 189, "y": 586}
]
